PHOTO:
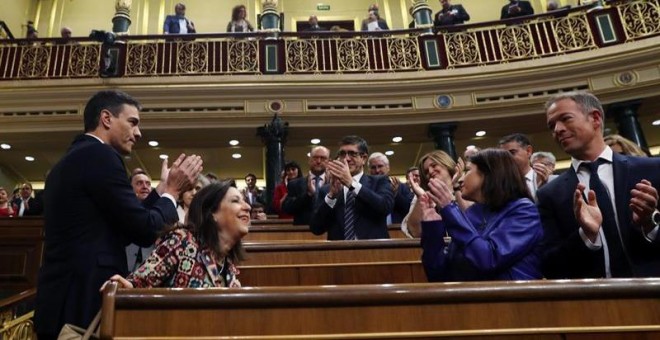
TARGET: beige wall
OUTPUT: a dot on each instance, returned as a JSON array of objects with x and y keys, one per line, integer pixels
[
  {"x": 212, "y": 16},
  {"x": 15, "y": 13}
]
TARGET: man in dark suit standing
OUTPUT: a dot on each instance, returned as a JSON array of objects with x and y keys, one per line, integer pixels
[
  {"x": 352, "y": 206},
  {"x": 516, "y": 8},
  {"x": 92, "y": 213},
  {"x": 178, "y": 23},
  {"x": 600, "y": 216},
  {"x": 450, "y": 15},
  {"x": 25, "y": 204},
  {"x": 302, "y": 192}
]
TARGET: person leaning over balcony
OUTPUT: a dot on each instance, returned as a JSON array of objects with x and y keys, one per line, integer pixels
[
  {"x": 497, "y": 238},
  {"x": 450, "y": 15},
  {"x": 238, "y": 22},
  {"x": 202, "y": 252},
  {"x": 600, "y": 216},
  {"x": 516, "y": 8},
  {"x": 178, "y": 23}
]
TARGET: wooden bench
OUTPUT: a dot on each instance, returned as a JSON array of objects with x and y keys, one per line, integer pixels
[
  {"x": 288, "y": 232},
  {"x": 332, "y": 274},
  {"x": 332, "y": 252},
  {"x": 21, "y": 247},
  {"x": 581, "y": 309}
]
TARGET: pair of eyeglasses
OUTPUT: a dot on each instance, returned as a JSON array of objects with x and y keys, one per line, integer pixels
[{"x": 352, "y": 154}]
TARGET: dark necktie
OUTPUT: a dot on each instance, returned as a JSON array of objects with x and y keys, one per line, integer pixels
[
  {"x": 317, "y": 186},
  {"x": 618, "y": 260},
  {"x": 349, "y": 216}
]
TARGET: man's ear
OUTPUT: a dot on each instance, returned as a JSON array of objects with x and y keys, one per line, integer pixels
[
  {"x": 105, "y": 118},
  {"x": 598, "y": 117}
]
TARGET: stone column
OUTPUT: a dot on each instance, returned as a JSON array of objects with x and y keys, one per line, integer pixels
[
  {"x": 270, "y": 18},
  {"x": 423, "y": 16},
  {"x": 443, "y": 136},
  {"x": 273, "y": 136},
  {"x": 122, "y": 19},
  {"x": 625, "y": 116}
]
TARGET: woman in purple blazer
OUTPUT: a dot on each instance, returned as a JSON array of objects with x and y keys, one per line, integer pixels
[{"x": 497, "y": 238}]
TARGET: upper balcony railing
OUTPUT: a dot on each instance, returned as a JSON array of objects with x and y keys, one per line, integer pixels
[{"x": 496, "y": 42}]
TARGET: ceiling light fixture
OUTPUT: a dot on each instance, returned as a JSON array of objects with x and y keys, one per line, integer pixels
[
  {"x": 153, "y": 143},
  {"x": 480, "y": 133},
  {"x": 163, "y": 156},
  {"x": 29, "y": 158},
  {"x": 236, "y": 156},
  {"x": 389, "y": 152},
  {"x": 397, "y": 139},
  {"x": 5, "y": 146},
  {"x": 315, "y": 141},
  {"x": 234, "y": 142},
  {"x": 470, "y": 147},
  {"x": 655, "y": 123}
]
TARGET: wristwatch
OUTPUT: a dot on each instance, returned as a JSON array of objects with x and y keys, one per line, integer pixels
[{"x": 655, "y": 218}]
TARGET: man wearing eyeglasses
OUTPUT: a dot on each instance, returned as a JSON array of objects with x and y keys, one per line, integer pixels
[{"x": 353, "y": 206}]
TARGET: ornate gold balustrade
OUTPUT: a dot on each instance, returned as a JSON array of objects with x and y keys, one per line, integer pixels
[
  {"x": 533, "y": 37},
  {"x": 16, "y": 313}
]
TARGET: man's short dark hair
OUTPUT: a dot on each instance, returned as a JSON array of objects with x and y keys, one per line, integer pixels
[
  {"x": 111, "y": 100},
  {"x": 251, "y": 175},
  {"x": 411, "y": 169},
  {"x": 519, "y": 138},
  {"x": 356, "y": 140}
]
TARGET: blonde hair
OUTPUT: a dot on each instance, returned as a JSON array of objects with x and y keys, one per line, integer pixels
[
  {"x": 627, "y": 146},
  {"x": 438, "y": 157}
]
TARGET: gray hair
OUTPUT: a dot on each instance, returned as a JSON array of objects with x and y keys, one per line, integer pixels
[
  {"x": 543, "y": 154},
  {"x": 378, "y": 155},
  {"x": 585, "y": 100}
]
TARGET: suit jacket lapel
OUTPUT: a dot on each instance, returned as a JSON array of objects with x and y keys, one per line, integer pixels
[{"x": 621, "y": 194}]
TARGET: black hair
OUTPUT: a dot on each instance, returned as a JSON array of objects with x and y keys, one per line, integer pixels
[{"x": 111, "y": 100}]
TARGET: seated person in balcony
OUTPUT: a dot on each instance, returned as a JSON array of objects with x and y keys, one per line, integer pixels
[
  {"x": 238, "y": 22},
  {"x": 6, "y": 209},
  {"x": 291, "y": 171},
  {"x": 375, "y": 23},
  {"x": 352, "y": 205},
  {"x": 314, "y": 24},
  {"x": 450, "y": 15},
  {"x": 178, "y": 23},
  {"x": 435, "y": 164},
  {"x": 497, "y": 238},
  {"x": 516, "y": 8},
  {"x": 204, "y": 251},
  {"x": 553, "y": 5}
]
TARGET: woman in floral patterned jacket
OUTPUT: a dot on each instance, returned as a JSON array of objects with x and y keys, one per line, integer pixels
[{"x": 203, "y": 253}]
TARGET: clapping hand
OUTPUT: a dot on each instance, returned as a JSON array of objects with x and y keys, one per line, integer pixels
[
  {"x": 120, "y": 280},
  {"x": 643, "y": 203},
  {"x": 587, "y": 213},
  {"x": 440, "y": 192},
  {"x": 543, "y": 173}
]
